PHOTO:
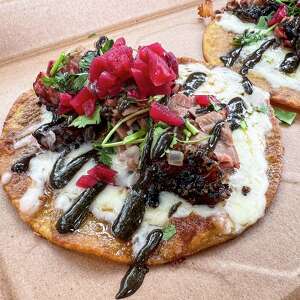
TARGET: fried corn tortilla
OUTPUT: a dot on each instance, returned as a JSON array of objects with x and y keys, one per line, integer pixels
[{"x": 194, "y": 232}]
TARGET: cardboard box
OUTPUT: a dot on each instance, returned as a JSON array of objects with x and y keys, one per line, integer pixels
[{"x": 264, "y": 263}]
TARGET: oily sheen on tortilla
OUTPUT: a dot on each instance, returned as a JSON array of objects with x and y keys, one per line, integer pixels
[{"x": 197, "y": 227}]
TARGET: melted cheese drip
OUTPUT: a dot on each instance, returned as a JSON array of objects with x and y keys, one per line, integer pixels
[
  {"x": 39, "y": 171},
  {"x": 268, "y": 67}
]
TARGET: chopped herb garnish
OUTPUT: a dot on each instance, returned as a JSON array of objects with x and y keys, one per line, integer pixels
[
  {"x": 168, "y": 232},
  {"x": 86, "y": 60},
  {"x": 66, "y": 82},
  {"x": 105, "y": 155},
  {"x": 59, "y": 63},
  {"x": 104, "y": 44},
  {"x": 250, "y": 37},
  {"x": 191, "y": 128},
  {"x": 214, "y": 106},
  {"x": 82, "y": 121},
  {"x": 114, "y": 129},
  {"x": 187, "y": 134},
  {"x": 287, "y": 117}
]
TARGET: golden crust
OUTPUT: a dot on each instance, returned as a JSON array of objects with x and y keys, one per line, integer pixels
[
  {"x": 217, "y": 42},
  {"x": 194, "y": 233}
]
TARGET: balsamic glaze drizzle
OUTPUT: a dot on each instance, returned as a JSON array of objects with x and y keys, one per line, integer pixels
[
  {"x": 237, "y": 110},
  {"x": 230, "y": 58},
  {"x": 193, "y": 82},
  {"x": 135, "y": 275},
  {"x": 255, "y": 57},
  {"x": 290, "y": 63},
  {"x": 76, "y": 214},
  {"x": 131, "y": 215},
  {"x": 215, "y": 136},
  {"x": 22, "y": 164},
  {"x": 61, "y": 174},
  {"x": 251, "y": 61}
]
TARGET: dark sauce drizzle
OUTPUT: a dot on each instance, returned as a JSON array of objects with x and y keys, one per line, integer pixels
[
  {"x": 215, "y": 136},
  {"x": 162, "y": 144},
  {"x": 173, "y": 209},
  {"x": 251, "y": 61},
  {"x": 61, "y": 173},
  {"x": 236, "y": 112},
  {"x": 193, "y": 82},
  {"x": 134, "y": 277},
  {"x": 131, "y": 214},
  {"x": 22, "y": 164},
  {"x": 76, "y": 214},
  {"x": 133, "y": 209},
  {"x": 230, "y": 58},
  {"x": 290, "y": 63}
]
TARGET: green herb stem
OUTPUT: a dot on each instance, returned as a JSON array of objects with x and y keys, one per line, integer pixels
[
  {"x": 58, "y": 64},
  {"x": 194, "y": 141},
  {"x": 122, "y": 143},
  {"x": 114, "y": 129},
  {"x": 191, "y": 128}
]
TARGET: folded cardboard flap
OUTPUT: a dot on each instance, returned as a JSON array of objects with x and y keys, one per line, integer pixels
[{"x": 261, "y": 264}]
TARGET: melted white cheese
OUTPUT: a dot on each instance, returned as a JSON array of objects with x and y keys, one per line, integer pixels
[
  {"x": 268, "y": 67},
  {"x": 39, "y": 171},
  {"x": 108, "y": 203},
  {"x": 250, "y": 146}
]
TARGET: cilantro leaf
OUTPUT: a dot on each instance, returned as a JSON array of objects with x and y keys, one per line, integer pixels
[
  {"x": 106, "y": 155},
  {"x": 168, "y": 232},
  {"x": 82, "y": 121},
  {"x": 107, "y": 45},
  {"x": 66, "y": 82},
  {"x": 79, "y": 82},
  {"x": 104, "y": 44},
  {"x": 250, "y": 37},
  {"x": 287, "y": 117},
  {"x": 86, "y": 60}
]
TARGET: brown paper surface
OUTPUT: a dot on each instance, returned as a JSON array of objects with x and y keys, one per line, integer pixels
[{"x": 264, "y": 263}]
